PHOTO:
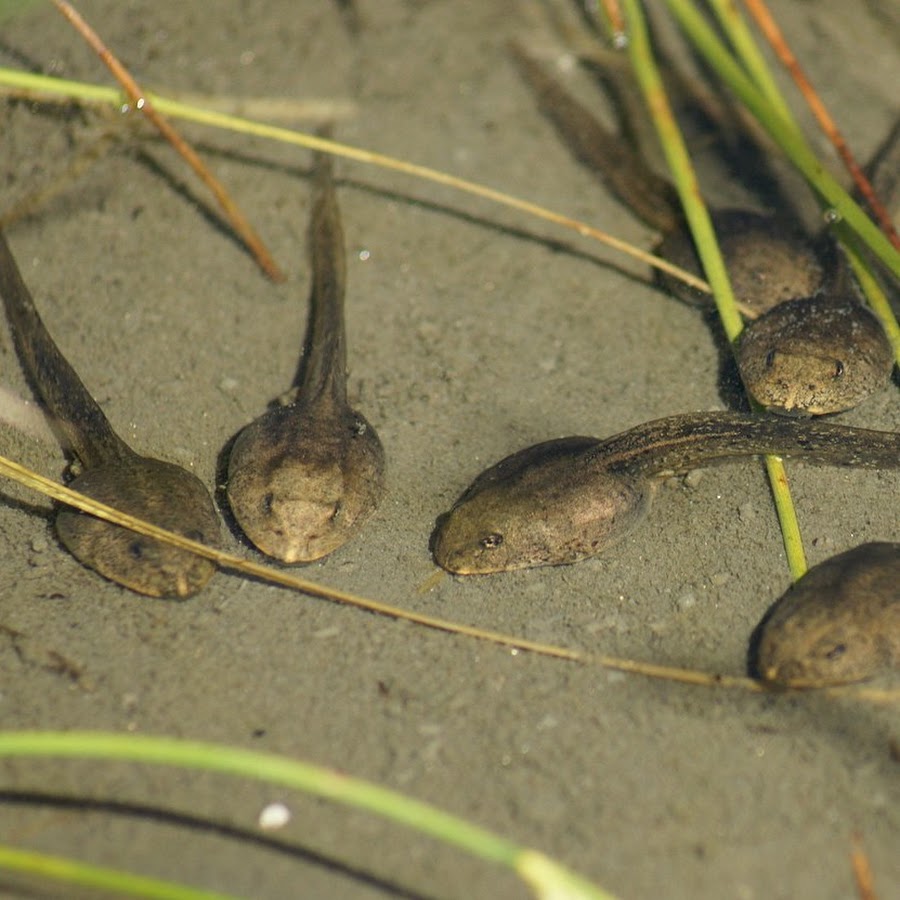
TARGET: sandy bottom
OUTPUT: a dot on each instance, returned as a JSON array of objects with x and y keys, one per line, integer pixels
[{"x": 473, "y": 331}]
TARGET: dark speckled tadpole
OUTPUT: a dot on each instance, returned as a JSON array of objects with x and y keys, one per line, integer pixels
[
  {"x": 569, "y": 499},
  {"x": 305, "y": 476},
  {"x": 839, "y": 623},
  {"x": 160, "y": 492},
  {"x": 814, "y": 349}
]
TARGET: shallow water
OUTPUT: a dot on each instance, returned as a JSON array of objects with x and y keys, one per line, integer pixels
[{"x": 471, "y": 334}]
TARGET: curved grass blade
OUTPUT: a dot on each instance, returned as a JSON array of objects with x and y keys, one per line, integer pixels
[{"x": 548, "y": 878}]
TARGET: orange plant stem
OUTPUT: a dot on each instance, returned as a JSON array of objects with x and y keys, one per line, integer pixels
[
  {"x": 133, "y": 90},
  {"x": 862, "y": 870},
  {"x": 614, "y": 15},
  {"x": 773, "y": 34}
]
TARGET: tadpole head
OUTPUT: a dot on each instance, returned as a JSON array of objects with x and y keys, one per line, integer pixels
[
  {"x": 828, "y": 657},
  {"x": 161, "y": 493},
  {"x": 300, "y": 494},
  {"x": 811, "y": 638},
  {"x": 814, "y": 356},
  {"x": 473, "y": 539},
  {"x": 839, "y": 623}
]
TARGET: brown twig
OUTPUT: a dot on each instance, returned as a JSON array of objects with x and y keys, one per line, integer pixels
[
  {"x": 773, "y": 34},
  {"x": 862, "y": 869},
  {"x": 238, "y": 221},
  {"x": 616, "y": 19}
]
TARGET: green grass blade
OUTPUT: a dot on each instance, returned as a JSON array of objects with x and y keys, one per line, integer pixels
[
  {"x": 552, "y": 881},
  {"x": 735, "y": 27},
  {"x": 787, "y": 517},
  {"x": 872, "y": 289},
  {"x": 70, "y": 871},
  {"x": 679, "y": 164}
]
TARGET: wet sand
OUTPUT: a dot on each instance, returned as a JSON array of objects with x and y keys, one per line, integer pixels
[{"x": 473, "y": 331}]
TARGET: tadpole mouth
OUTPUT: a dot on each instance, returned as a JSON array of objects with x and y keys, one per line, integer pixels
[
  {"x": 790, "y": 677},
  {"x": 792, "y": 412}
]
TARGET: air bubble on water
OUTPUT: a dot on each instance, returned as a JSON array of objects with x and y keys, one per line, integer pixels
[
  {"x": 831, "y": 216},
  {"x": 620, "y": 40}
]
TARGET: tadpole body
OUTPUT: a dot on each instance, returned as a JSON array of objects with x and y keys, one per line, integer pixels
[
  {"x": 565, "y": 500},
  {"x": 839, "y": 623},
  {"x": 159, "y": 492},
  {"x": 306, "y": 475}
]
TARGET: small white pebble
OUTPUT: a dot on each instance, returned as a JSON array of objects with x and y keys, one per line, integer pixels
[{"x": 274, "y": 816}]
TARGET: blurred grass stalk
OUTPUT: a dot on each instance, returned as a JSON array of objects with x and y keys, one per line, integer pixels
[
  {"x": 73, "y": 872},
  {"x": 547, "y": 878}
]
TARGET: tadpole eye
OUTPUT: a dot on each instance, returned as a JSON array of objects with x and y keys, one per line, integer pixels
[
  {"x": 838, "y": 369},
  {"x": 836, "y": 652},
  {"x": 136, "y": 549},
  {"x": 770, "y": 359},
  {"x": 491, "y": 541}
]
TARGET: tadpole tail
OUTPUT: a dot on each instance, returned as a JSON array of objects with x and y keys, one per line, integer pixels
[
  {"x": 614, "y": 161},
  {"x": 323, "y": 367},
  {"x": 679, "y": 443},
  {"x": 883, "y": 169},
  {"x": 77, "y": 417}
]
